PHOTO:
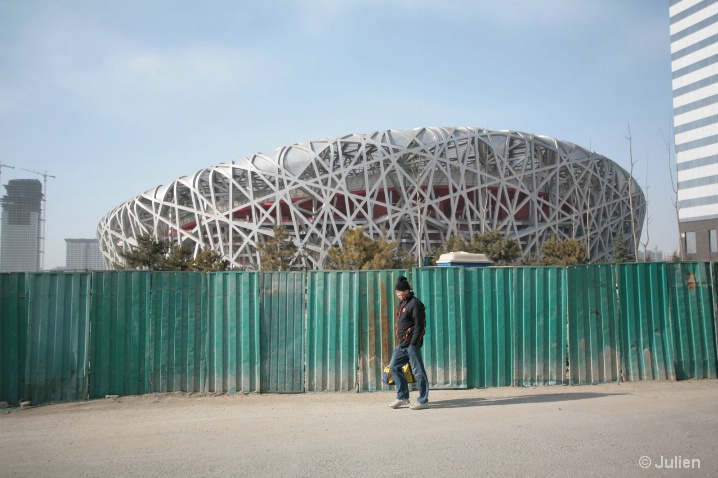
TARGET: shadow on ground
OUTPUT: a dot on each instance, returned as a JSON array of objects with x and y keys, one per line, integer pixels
[{"x": 483, "y": 402}]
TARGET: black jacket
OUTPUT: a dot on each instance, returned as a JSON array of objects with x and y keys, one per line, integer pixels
[{"x": 410, "y": 322}]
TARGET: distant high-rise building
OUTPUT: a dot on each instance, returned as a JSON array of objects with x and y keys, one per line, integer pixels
[
  {"x": 21, "y": 208},
  {"x": 694, "y": 64},
  {"x": 83, "y": 254}
]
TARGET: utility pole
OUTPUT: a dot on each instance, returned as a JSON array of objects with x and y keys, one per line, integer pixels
[{"x": 41, "y": 243}]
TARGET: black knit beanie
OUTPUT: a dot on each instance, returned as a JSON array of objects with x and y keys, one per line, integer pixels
[{"x": 402, "y": 284}]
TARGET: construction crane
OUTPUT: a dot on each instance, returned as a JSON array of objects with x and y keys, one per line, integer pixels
[
  {"x": 41, "y": 243},
  {"x": 3, "y": 165}
]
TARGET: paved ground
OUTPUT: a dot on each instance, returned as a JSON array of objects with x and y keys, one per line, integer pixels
[{"x": 599, "y": 430}]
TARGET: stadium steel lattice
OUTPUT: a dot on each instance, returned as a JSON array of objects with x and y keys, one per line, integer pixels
[{"x": 416, "y": 186}]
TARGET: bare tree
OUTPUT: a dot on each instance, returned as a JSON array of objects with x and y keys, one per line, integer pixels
[
  {"x": 674, "y": 199},
  {"x": 634, "y": 242},
  {"x": 648, "y": 219}
]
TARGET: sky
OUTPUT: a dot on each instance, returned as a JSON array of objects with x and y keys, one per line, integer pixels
[{"x": 115, "y": 98}]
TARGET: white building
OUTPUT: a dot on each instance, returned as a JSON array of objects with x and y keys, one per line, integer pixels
[
  {"x": 694, "y": 65},
  {"x": 83, "y": 254}
]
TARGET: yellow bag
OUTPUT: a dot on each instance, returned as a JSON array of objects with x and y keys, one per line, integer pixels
[{"x": 389, "y": 380}]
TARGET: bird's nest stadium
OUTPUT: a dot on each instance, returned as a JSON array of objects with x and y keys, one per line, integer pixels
[{"x": 416, "y": 186}]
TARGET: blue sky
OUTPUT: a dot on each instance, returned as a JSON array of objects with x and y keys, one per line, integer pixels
[{"x": 115, "y": 98}]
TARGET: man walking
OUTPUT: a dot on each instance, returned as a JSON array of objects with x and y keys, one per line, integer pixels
[{"x": 410, "y": 327}]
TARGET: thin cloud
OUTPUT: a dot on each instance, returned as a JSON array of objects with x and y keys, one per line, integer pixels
[
  {"x": 515, "y": 13},
  {"x": 194, "y": 73},
  {"x": 11, "y": 99},
  {"x": 101, "y": 70}
]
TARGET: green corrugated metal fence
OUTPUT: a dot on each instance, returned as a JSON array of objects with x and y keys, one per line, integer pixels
[
  {"x": 282, "y": 332},
  {"x": 540, "y": 298},
  {"x": 646, "y": 342},
  {"x": 489, "y": 335},
  {"x": 332, "y": 331},
  {"x": 13, "y": 335},
  {"x": 233, "y": 338},
  {"x": 377, "y": 304},
  {"x": 692, "y": 320},
  {"x": 140, "y": 332},
  {"x": 120, "y": 321},
  {"x": 177, "y": 326},
  {"x": 714, "y": 277},
  {"x": 441, "y": 289},
  {"x": 56, "y": 365},
  {"x": 593, "y": 328}
]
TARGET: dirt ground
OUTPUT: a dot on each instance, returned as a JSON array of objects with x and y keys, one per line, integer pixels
[{"x": 602, "y": 430}]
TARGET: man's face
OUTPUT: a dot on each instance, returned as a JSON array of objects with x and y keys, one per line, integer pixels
[{"x": 402, "y": 294}]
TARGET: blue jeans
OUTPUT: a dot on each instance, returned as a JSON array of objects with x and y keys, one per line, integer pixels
[{"x": 399, "y": 358}]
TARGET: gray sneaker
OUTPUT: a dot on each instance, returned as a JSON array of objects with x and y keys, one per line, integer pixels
[
  {"x": 419, "y": 406},
  {"x": 398, "y": 403}
]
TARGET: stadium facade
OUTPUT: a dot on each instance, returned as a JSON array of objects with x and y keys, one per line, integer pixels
[{"x": 416, "y": 186}]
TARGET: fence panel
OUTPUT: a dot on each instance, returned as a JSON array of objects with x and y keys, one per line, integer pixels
[
  {"x": 13, "y": 335},
  {"x": 177, "y": 325},
  {"x": 646, "y": 342},
  {"x": 332, "y": 331},
  {"x": 231, "y": 331},
  {"x": 120, "y": 320},
  {"x": 692, "y": 320},
  {"x": 56, "y": 367},
  {"x": 232, "y": 343},
  {"x": 377, "y": 305},
  {"x": 442, "y": 291},
  {"x": 540, "y": 298},
  {"x": 282, "y": 332},
  {"x": 489, "y": 308},
  {"x": 594, "y": 344}
]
